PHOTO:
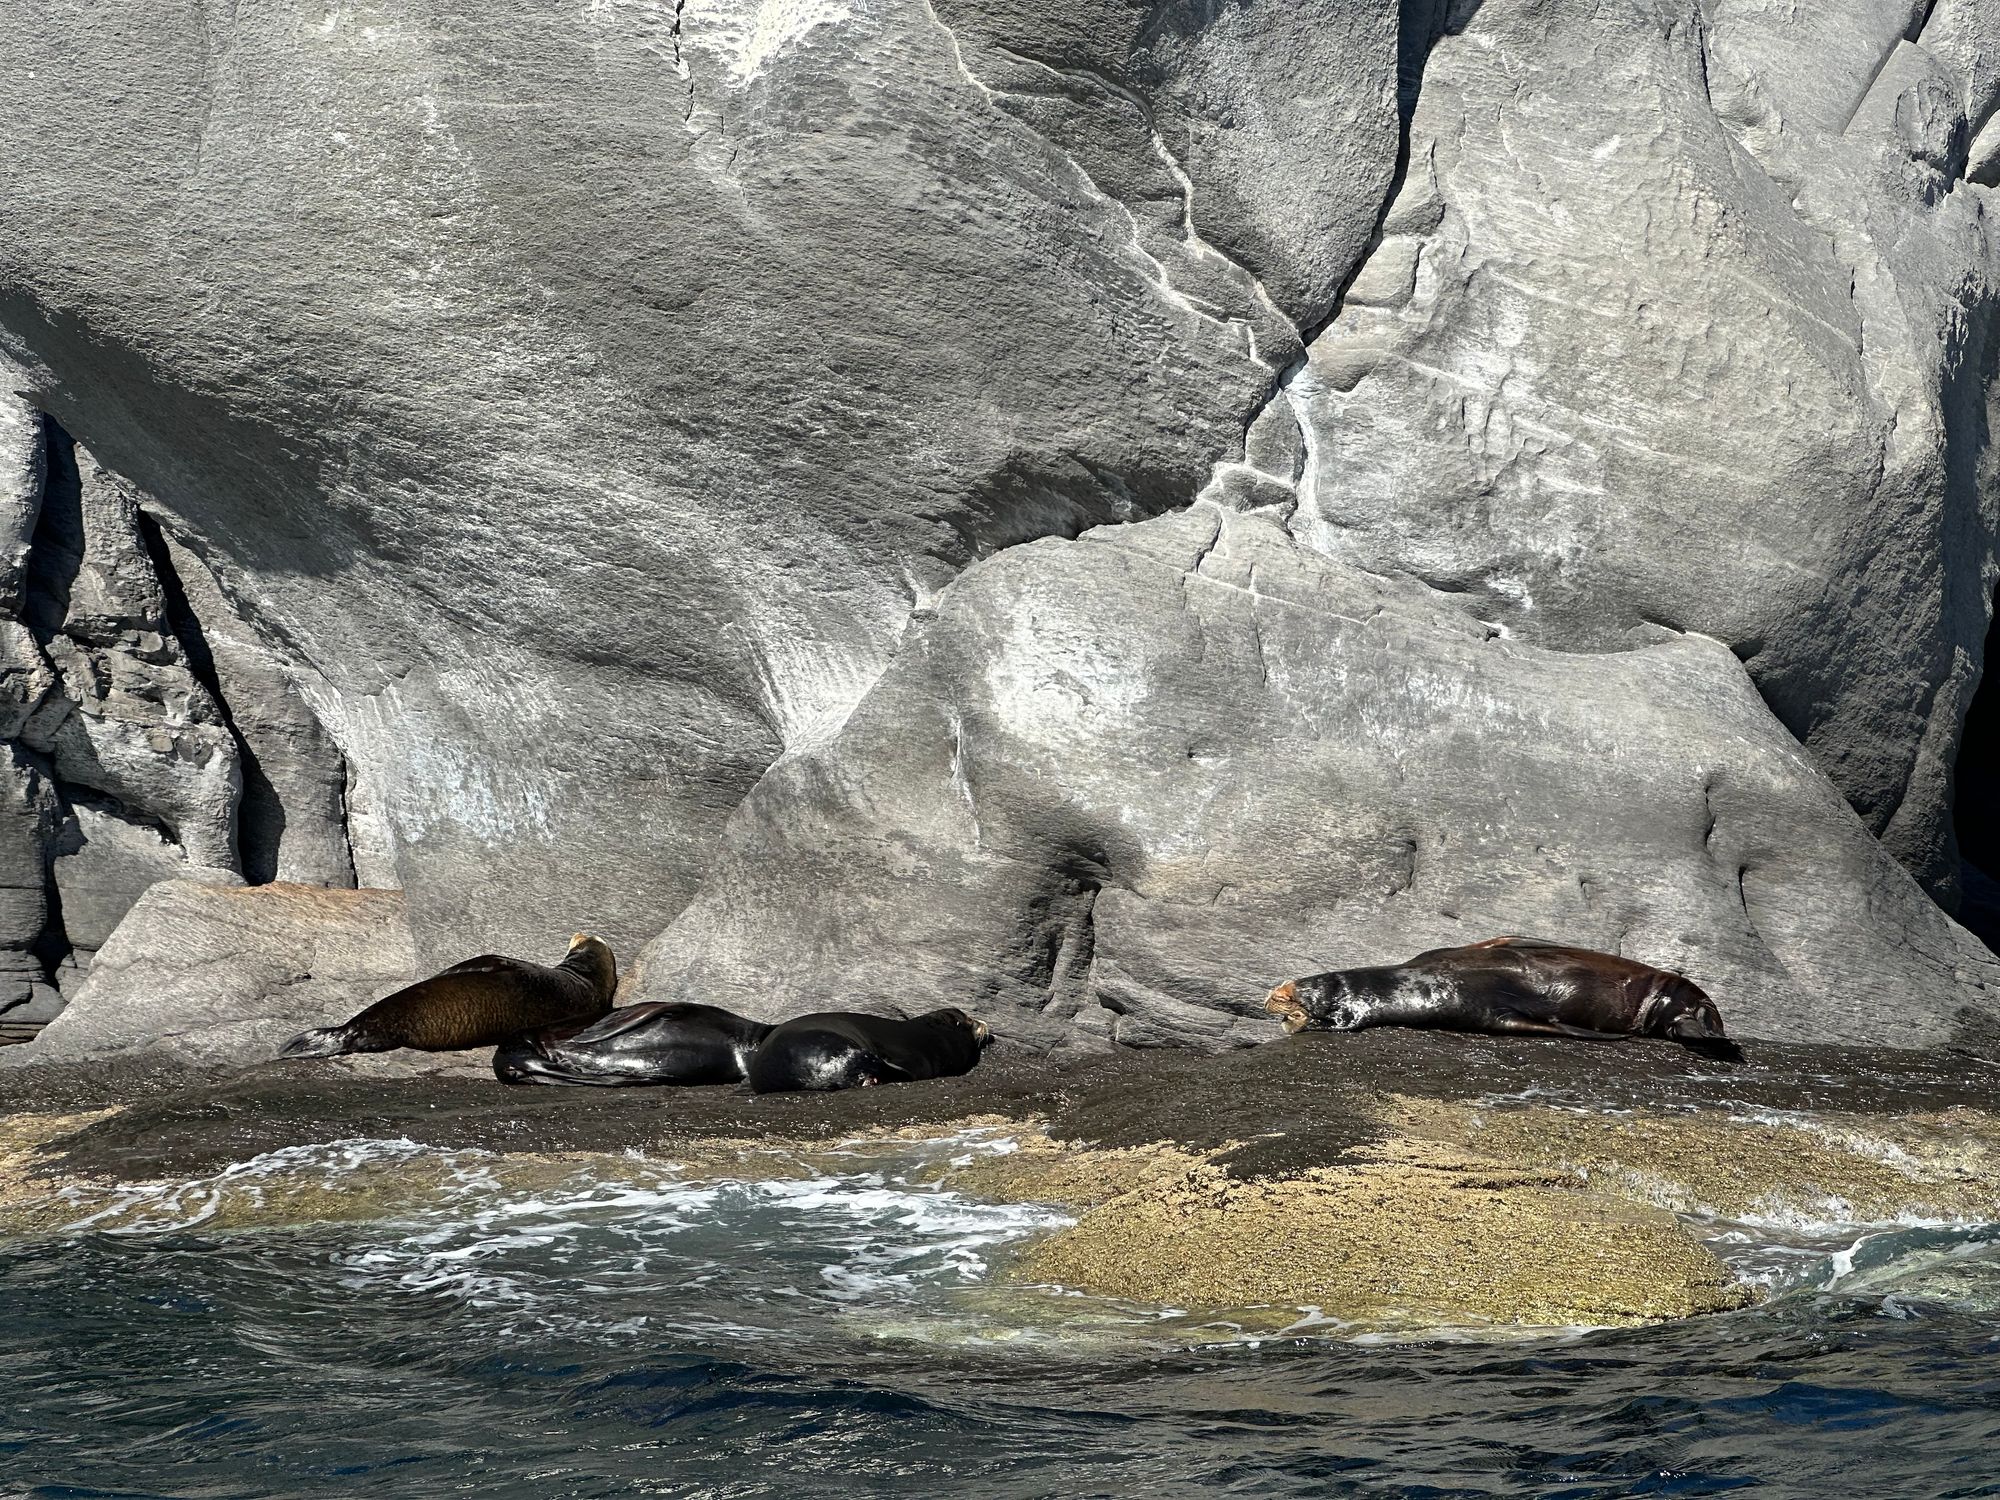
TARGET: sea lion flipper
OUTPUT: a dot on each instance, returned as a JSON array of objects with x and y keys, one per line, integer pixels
[
  {"x": 1509, "y": 1019},
  {"x": 321, "y": 1041},
  {"x": 331, "y": 1041},
  {"x": 1518, "y": 1006},
  {"x": 1719, "y": 1048},
  {"x": 1584, "y": 1033}
]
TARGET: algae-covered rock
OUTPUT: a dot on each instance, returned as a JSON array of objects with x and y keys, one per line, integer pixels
[
  {"x": 1764, "y": 1165},
  {"x": 1410, "y": 1233}
]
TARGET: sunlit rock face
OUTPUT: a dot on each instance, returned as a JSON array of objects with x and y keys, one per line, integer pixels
[
  {"x": 1119, "y": 787},
  {"x": 219, "y": 975},
  {"x": 618, "y": 466},
  {"x": 579, "y": 397},
  {"x": 1683, "y": 322}
]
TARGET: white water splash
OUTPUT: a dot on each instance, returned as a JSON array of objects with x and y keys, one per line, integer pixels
[{"x": 617, "y": 1245}]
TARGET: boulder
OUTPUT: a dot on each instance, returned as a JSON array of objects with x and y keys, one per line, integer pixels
[
  {"x": 226, "y": 975},
  {"x": 1117, "y": 788},
  {"x": 104, "y": 863}
]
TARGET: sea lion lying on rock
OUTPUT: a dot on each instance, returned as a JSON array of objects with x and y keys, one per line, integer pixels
[
  {"x": 837, "y": 1049},
  {"x": 479, "y": 1003},
  {"x": 1510, "y": 984},
  {"x": 667, "y": 1042},
  {"x": 673, "y": 1043}
]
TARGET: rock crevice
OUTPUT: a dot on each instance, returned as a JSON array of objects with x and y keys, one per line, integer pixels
[{"x": 150, "y": 735}]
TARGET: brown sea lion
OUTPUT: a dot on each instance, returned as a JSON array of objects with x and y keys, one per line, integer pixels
[
  {"x": 479, "y": 1003},
  {"x": 838, "y": 1049},
  {"x": 1510, "y": 984}
]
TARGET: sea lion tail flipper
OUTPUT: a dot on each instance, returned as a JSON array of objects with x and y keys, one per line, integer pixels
[{"x": 323, "y": 1041}]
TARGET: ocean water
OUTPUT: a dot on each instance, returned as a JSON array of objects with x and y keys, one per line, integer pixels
[{"x": 843, "y": 1331}]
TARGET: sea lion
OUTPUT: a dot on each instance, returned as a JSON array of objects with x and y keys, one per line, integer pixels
[
  {"x": 839, "y": 1049},
  {"x": 478, "y": 1003},
  {"x": 1511, "y": 984},
  {"x": 666, "y": 1042}
]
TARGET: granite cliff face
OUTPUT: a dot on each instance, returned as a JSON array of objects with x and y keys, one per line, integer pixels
[{"x": 1077, "y": 508}]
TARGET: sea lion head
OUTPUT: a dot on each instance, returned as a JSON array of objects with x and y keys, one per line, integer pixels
[
  {"x": 951, "y": 1015},
  {"x": 1323, "y": 1002},
  {"x": 1690, "y": 1018},
  {"x": 591, "y": 957}
]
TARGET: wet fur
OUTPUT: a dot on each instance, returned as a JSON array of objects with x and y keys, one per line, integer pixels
[
  {"x": 844, "y": 1050},
  {"x": 664, "y": 1043},
  {"x": 479, "y": 1003},
  {"x": 1511, "y": 985}
]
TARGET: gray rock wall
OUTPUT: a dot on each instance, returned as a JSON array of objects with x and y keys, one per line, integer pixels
[
  {"x": 588, "y": 394},
  {"x": 615, "y": 466},
  {"x": 129, "y": 760},
  {"x": 1686, "y": 319}
]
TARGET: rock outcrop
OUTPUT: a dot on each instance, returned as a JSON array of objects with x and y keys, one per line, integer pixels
[
  {"x": 1123, "y": 785},
  {"x": 585, "y": 396},
  {"x": 128, "y": 762},
  {"x": 1686, "y": 319},
  {"x": 622, "y": 467},
  {"x": 217, "y": 975}
]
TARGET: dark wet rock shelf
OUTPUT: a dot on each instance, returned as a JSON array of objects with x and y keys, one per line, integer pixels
[{"x": 1385, "y": 1174}]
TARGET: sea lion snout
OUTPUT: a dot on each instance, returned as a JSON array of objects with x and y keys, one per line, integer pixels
[
  {"x": 1283, "y": 1002},
  {"x": 578, "y": 939}
]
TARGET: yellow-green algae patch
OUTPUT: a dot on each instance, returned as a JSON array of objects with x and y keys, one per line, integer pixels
[
  {"x": 1406, "y": 1231},
  {"x": 23, "y": 1138},
  {"x": 1761, "y": 1166},
  {"x": 1040, "y": 1170}
]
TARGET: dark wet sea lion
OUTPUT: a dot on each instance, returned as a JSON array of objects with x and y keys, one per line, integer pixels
[
  {"x": 1510, "y": 984},
  {"x": 667, "y": 1042},
  {"x": 839, "y": 1049},
  {"x": 479, "y": 1003}
]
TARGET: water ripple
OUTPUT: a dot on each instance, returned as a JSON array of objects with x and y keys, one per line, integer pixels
[{"x": 625, "y": 1330}]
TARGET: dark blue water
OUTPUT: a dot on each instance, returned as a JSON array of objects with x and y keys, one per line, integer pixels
[{"x": 622, "y": 1332}]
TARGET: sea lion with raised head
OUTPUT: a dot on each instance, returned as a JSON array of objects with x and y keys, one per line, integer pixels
[
  {"x": 1511, "y": 984},
  {"x": 665, "y": 1042},
  {"x": 479, "y": 1003},
  {"x": 838, "y": 1049}
]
